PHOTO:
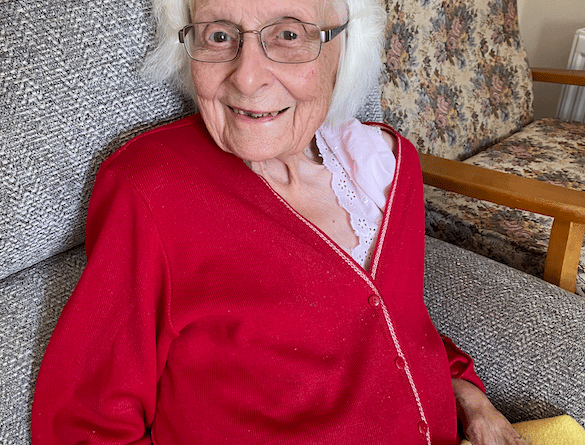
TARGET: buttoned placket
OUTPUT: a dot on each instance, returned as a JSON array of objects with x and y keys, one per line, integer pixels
[{"x": 375, "y": 300}]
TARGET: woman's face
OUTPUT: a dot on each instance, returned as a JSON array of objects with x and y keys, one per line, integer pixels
[{"x": 228, "y": 93}]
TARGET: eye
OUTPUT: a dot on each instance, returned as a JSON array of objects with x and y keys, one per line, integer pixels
[
  {"x": 288, "y": 35},
  {"x": 219, "y": 37}
]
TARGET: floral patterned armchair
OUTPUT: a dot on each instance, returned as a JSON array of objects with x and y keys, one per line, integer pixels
[{"x": 458, "y": 85}]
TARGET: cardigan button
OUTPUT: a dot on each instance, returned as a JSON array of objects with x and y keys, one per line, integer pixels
[
  {"x": 423, "y": 428},
  {"x": 374, "y": 300},
  {"x": 399, "y": 363}
]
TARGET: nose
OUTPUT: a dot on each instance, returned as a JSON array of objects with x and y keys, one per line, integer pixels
[{"x": 252, "y": 67}]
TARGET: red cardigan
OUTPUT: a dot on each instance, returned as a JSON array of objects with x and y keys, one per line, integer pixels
[{"x": 211, "y": 312}]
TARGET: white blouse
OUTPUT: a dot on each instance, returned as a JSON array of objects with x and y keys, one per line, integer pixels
[{"x": 362, "y": 168}]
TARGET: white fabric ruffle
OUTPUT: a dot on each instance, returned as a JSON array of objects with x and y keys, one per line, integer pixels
[{"x": 362, "y": 167}]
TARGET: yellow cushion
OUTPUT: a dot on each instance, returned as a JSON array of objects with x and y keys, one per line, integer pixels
[{"x": 561, "y": 430}]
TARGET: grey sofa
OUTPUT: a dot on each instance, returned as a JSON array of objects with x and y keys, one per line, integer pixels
[{"x": 71, "y": 95}]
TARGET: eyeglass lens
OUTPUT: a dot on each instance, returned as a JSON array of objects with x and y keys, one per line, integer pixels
[{"x": 286, "y": 42}]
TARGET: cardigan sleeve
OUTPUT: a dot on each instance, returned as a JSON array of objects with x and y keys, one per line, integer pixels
[
  {"x": 461, "y": 364},
  {"x": 98, "y": 378}
]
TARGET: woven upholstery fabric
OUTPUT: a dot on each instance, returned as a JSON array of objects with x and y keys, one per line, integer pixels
[
  {"x": 526, "y": 336},
  {"x": 457, "y": 84},
  {"x": 371, "y": 110},
  {"x": 548, "y": 150},
  {"x": 70, "y": 95},
  {"x": 30, "y": 304},
  {"x": 456, "y": 75}
]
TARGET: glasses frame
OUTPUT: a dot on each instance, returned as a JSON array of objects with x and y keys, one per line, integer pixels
[{"x": 326, "y": 36}]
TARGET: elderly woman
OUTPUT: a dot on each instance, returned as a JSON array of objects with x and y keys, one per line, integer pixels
[{"x": 255, "y": 271}]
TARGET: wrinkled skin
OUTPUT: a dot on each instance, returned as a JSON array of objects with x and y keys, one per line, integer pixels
[
  {"x": 482, "y": 423},
  {"x": 227, "y": 93}
]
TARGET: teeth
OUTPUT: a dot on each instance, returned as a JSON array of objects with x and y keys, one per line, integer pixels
[{"x": 256, "y": 115}]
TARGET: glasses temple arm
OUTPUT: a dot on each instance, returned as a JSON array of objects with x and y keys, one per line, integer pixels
[{"x": 330, "y": 34}]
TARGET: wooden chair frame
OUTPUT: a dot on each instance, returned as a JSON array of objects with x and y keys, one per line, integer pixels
[{"x": 566, "y": 206}]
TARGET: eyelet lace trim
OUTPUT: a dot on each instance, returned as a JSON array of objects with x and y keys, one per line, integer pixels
[{"x": 365, "y": 215}]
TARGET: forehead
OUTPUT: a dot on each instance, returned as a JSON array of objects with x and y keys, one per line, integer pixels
[{"x": 258, "y": 12}]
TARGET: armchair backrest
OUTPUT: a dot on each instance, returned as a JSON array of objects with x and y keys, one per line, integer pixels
[
  {"x": 456, "y": 76},
  {"x": 70, "y": 94}
]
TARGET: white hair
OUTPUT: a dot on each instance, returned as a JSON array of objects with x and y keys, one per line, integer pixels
[{"x": 359, "y": 65}]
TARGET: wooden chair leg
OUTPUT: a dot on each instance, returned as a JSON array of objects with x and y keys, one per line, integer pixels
[{"x": 564, "y": 250}]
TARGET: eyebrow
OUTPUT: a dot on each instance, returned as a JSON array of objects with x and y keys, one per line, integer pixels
[{"x": 272, "y": 22}]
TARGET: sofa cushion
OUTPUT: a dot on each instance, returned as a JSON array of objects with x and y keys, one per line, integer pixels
[
  {"x": 456, "y": 74},
  {"x": 71, "y": 95},
  {"x": 371, "y": 110},
  {"x": 30, "y": 303},
  {"x": 549, "y": 150},
  {"x": 527, "y": 336}
]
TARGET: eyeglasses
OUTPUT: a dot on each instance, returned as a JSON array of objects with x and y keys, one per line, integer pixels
[{"x": 284, "y": 42}]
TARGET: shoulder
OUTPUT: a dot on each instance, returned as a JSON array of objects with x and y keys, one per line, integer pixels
[
  {"x": 390, "y": 139},
  {"x": 400, "y": 145},
  {"x": 173, "y": 153},
  {"x": 160, "y": 142},
  {"x": 162, "y": 164}
]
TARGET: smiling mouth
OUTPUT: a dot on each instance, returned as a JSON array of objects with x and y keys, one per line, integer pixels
[{"x": 257, "y": 115}]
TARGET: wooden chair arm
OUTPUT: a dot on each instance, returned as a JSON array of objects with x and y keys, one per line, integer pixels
[
  {"x": 566, "y": 206},
  {"x": 504, "y": 188},
  {"x": 552, "y": 75}
]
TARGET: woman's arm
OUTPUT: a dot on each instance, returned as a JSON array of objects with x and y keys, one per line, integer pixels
[
  {"x": 460, "y": 364},
  {"x": 97, "y": 382},
  {"x": 482, "y": 423}
]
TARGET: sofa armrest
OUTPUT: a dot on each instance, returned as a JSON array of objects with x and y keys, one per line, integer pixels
[
  {"x": 566, "y": 206},
  {"x": 554, "y": 75},
  {"x": 527, "y": 337}
]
